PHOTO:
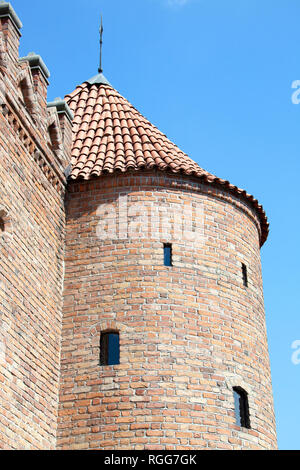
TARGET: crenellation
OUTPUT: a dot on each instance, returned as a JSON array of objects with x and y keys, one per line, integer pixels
[
  {"x": 39, "y": 75},
  {"x": 10, "y": 26}
]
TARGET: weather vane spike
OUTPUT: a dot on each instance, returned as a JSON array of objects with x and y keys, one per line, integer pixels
[{"x": 100, "y": 70}]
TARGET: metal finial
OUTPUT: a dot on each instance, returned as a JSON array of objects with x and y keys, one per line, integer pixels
[{"x": 100, "y": 70}]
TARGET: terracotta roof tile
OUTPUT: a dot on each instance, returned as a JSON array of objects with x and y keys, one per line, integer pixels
[{"x": 109, "y": 135}]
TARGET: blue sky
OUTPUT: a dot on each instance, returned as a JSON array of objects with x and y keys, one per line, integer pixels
[{"x": 215, "y": 77}]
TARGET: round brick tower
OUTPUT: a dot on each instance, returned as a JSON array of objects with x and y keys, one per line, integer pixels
[{"x": 166, "y": 257}]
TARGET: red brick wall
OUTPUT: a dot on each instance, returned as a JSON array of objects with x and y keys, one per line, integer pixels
[
  {"x": 31, "y": 265},
  {"x": 31, "y": 259},
  {"x": 188, "y": 333}
]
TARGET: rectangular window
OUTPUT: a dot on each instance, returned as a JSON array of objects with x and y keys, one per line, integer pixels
[
  {"x": 167, "y": 254},
  {"x": 241, "y": 407},
  {"x": 245, "y": 275},
  {"x": 109, "y": 349}
]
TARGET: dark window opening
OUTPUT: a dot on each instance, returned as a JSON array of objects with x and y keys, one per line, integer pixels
[
  {"x": 245, "y": 275},
  {"x": 4, "y": 221},
  {"x": 241, "y": 407},
  {"x": 168, "y": 254},
  {"x": 109, "y": 349}
]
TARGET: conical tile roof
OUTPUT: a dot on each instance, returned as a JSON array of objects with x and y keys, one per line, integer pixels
[{"x": 110, "y": 135}]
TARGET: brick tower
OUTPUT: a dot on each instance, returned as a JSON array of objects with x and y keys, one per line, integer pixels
[{"x": 133, "y": 314}]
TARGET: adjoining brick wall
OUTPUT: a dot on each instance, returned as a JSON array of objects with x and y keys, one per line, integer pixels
[
  {"x": 188, "y": 333},
  {"x": 32, "y": 216},
  {"x": 31, "y": 265}
]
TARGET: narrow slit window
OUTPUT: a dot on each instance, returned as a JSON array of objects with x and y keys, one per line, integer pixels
[
  {"x": 4, "y": 221},
  {"x": 168, "y": 254},
  {"x": 245, "y": 275},
  {"x": 109, "y": 348},
  {"x": 241, "y": 407}
]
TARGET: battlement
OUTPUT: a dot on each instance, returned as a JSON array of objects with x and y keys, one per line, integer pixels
[{"x": 44, "y": 128}]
